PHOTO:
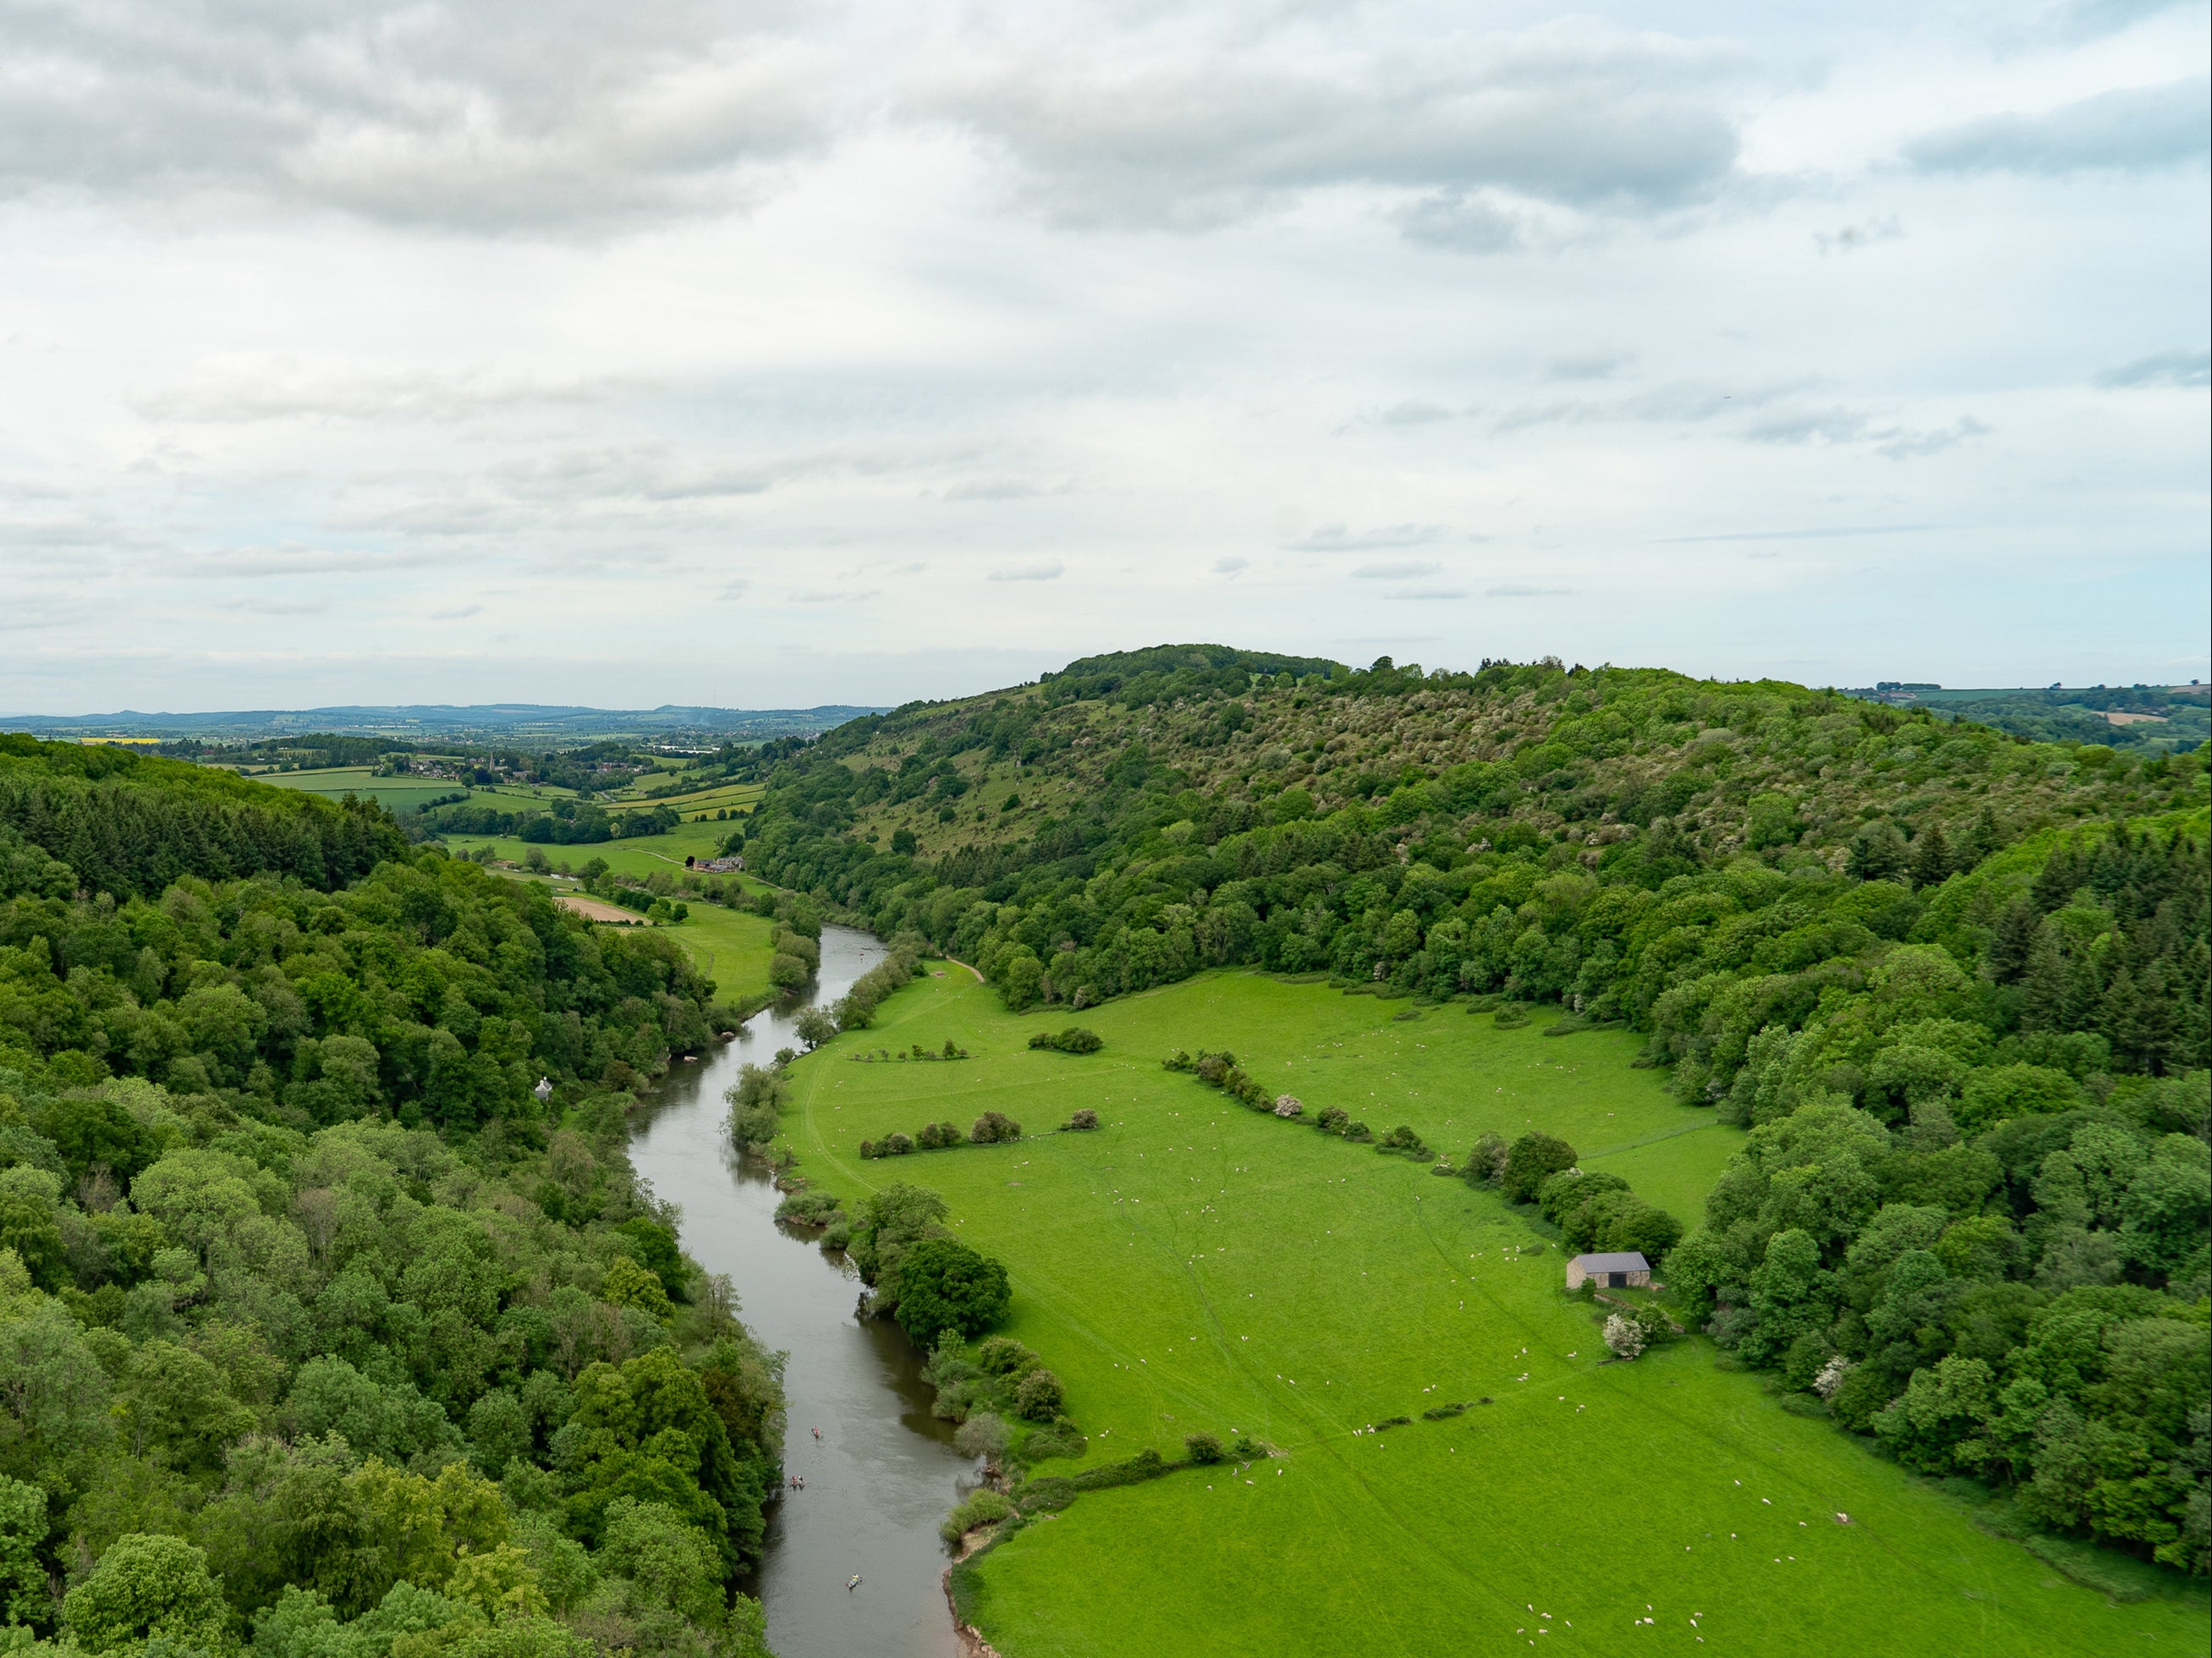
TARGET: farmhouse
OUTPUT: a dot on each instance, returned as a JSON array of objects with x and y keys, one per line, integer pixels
[{"x": 1625, "y": 1271}]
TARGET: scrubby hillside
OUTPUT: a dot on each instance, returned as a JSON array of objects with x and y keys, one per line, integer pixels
[{"x": 1599, "y": 837}]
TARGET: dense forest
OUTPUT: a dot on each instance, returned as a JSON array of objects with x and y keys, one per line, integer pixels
[
  {"x": 321, "y": 1332},
  {"x": 1953, "y": 980},
  {"x": 129, "y": 824}
]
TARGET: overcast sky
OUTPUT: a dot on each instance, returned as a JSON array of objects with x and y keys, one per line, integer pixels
[{"x": 767, "y": 354}]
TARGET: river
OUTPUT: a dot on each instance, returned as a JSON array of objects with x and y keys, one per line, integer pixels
[{"x": 883, "y": 1471}]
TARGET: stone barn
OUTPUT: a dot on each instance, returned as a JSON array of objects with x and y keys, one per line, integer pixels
[{"x": 1627, "y": 1270}]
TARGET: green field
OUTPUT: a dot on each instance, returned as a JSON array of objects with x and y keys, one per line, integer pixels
[
  {"x": 707, "y": 799},
  {"x": 1194, "y": 1266},
  {"x": 639, "y": 855},
  {"x": 402, "y": 795},
  {"x": 731, "y": 947}
]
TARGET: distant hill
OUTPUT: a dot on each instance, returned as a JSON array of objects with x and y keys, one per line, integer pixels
[
  {"x": 501, "y": 721},
  {"x": 2159, "y": 719}
]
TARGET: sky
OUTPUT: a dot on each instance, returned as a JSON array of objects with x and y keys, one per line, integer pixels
[{"x": 760, "y": 355}]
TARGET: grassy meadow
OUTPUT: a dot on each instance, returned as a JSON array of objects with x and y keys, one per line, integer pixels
[
  {"x": 1196, "y": 1266},
  {"x": 402, "y": 795},
  {"x": 640, "y": 856},
  {"x": 731, "y": 947}
]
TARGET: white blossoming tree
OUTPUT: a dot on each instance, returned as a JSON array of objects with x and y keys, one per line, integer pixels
[{"x": 1624, "y": 1336}]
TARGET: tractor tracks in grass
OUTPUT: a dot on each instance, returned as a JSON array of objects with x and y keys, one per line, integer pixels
[{"x": 1673, "y": 1133}]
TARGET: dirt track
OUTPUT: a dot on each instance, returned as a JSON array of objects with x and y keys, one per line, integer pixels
[{"x": 595, "y": 909}]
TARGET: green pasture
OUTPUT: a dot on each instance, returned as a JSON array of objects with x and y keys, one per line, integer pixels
[
  {"x": 734, "y": 795},
  {"x": 640, "y": 856},
  {"x": 1194, "y": 1266},
  {"x": 731, "y": 947},
  {"x": 405, "y": 795},
  {"x": 402, "y": 795}
]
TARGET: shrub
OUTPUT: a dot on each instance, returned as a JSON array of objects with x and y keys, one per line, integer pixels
[
  {"x": 1073, "y": 1039},
  {"x": 1061, "y": 1438},
  {"x": 1038, "y": 1398},
  {"x": 1832, "y": 1377},
  {"x": 1247, "y": 1091},
  {"x": 1289, "y": 1105},
  {"x": 810, "y": 1208},
  {"x": 1621, "y": 1220},
  {"x": 984, "y": 1434},
  {"x": 869, "y": 1149},
  {"x": 1004, "y": 1356},
  {"x": 894, "y": 1145},
  {"x": 1179, "y": 1061},
  {"x": 814, "y": 1026},
  {"x": 1086, "y": 1118},
  {"x": 1249, "y": 1448},
  {"x": 943, "y": 1284},
  {"x": 1203, "y": 1448},
  {"x": 983, "y": 1508},
  {"x": 1358, "y": 1131},
  {"x": 1403, "y": 1142},
  {"x": 1624, "y": 1336},
  {"x": 1512, "y": 1016},
  {"x": 936, "y": 1135},
  {"x": 1332, "y": 1120},
  {"x": 1529, "y": 1161},
  {"x": 1212, "y": 1068},
  {"x": 755, "y": 1103},
  {"x": 1562, "y": 1193},
  {"x": 856, "y": 1008},
  {"x": 993, "y": 1126}
]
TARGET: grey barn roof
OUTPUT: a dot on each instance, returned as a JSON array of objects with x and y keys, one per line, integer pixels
[{"x": 1629, "y": 1263}]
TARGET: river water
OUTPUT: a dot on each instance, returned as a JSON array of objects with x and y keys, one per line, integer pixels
[{"x": 883, "y": 1471}]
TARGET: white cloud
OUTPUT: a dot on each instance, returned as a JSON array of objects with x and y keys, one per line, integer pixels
[
  {"x": 1590, "y": 363},
  {"x": 679, "y": 339},
  {"x": 1396, "y": 570},
  {"x": 2177, "y": 367},
  {"x": 1337, "y": 539},
  {"x": 1579, "y": 114},
  {"x": 2130, "y": 129}
]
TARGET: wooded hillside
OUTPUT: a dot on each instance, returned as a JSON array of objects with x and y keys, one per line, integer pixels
[{"x": 319, "y": 1331}]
